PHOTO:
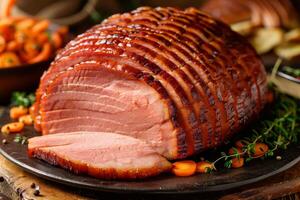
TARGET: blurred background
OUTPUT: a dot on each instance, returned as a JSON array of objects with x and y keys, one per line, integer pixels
[
  {"x": 88, "y": 12},
  {"x": 264, "y": 22},
  {"x": 79, "y": 15},
  {"x": 71, "y": 12}
]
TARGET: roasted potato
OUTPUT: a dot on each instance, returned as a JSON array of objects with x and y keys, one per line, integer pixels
[
  {"x": 244, "y": 28},
  {"x": 288, "y": 51},
  {"x": 265, "y": 39},
  {"x": 292, "y": 36}
]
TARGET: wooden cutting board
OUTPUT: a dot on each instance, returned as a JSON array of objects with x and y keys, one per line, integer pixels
[{"x": 17, "y": 185}]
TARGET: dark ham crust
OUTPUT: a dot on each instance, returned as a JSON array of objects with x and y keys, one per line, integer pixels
[{"x": 210, "y": 79}]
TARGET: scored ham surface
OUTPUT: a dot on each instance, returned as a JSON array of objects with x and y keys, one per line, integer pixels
[{"x": 176, "y": 79}]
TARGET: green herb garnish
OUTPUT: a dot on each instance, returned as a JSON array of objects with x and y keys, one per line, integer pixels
[
  {"x": 96, "y": 16},
  {"x": 291, "y": 71},
  {"x": 21, "y": 139},
  {"x": 228, "y": 163},
  {"x": 280, "y": 129},
  {"x": 22, "y": 99},
  {"x": 283, "y": 126}
]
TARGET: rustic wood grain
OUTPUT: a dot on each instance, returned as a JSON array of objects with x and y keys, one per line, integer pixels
[
  {"x": 20, "y": 182},
  {"x": 273, "y": 191},
  {"x": 282, "y": 185}
]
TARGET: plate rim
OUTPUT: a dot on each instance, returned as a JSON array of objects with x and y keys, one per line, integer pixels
[
  {"x": 104, "y": 188},
  {"x": 288, "y": 77}
]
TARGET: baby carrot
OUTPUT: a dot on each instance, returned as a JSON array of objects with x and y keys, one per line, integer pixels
[
  {"x": 2, "y": 44},
  {"x": 40, "y": 27},
  {"x": 260, "y": 149},
  {"x": 9, "y": 59},
  {"x": 12, "y": 45},
  {"x": 14, "y": 127},
  {"x": 240, "y": 144},
  {"x": 204, "y": 167},
  {"x": 26, "y": 119},
  {"x": 237, "y": 162},
  {"x": 17, "y": 112},
  {"x": 56, "y": 40},
  {"x": 6, "y": 7},
  {"x": 44, "y": 55},
  {"x": 184, "y": 168}
]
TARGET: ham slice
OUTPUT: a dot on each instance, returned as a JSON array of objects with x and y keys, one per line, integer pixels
[{"x": 102, "y": 155}]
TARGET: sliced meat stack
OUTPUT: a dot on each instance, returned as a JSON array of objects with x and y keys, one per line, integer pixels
[{"x": 176, "y": 79}]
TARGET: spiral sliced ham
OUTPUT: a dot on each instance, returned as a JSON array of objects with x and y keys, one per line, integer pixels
[{"x": 176, "y": 79}]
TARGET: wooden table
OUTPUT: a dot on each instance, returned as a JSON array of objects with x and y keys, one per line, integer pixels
[{"x": 16, "y": 184}]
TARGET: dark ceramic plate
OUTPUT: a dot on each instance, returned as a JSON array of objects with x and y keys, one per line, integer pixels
[{"x": 217, "y": 181}]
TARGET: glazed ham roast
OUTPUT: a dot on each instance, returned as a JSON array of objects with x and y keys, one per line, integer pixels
[{"x": 161, "y": 83}]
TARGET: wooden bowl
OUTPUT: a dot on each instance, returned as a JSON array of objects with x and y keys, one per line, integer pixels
[{"x": 20, "y": 78}]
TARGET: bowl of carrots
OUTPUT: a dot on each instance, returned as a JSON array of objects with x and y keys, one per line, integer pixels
[{"x": 27, "y": 46}]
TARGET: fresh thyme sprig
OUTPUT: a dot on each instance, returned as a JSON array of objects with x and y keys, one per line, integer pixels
[
  {"x": 291, "y": 71},
  {"x": 278, "y": 131},
  {"x": 283, "y": 126},
  {"x": 20, "y": 139}
]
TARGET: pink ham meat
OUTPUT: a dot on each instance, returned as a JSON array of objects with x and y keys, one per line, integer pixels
[
  {"x": 103, "y": 155},
  {"x": 176, "y": 79}
]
